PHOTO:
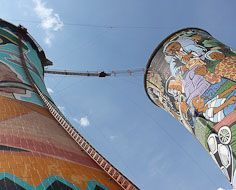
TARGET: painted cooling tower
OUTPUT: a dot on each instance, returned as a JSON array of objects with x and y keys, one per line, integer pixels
[
  {"x": 193, "y": 77},
  {"x": 39, "y": 148}
]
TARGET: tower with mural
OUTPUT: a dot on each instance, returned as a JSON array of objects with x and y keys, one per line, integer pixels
[
  {"x": 193, "y": 77},
  {"x": 39, "y": 148}
]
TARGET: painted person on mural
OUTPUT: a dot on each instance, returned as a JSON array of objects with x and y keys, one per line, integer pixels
[
  {"x": 224, "y": 69},
  {"x": 191, "y": 85},
  {"x": 183, "y": 53},
  {"x": 191, "y": 76},
  {"x": 217, "y": 108},
  {"x": 199, "y": 76}
]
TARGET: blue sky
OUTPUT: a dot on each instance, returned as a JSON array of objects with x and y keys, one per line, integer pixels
[{"x": 114, "y": 114}]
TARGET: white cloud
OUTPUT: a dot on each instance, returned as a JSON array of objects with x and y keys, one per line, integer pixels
[
  {"x": 50, "y": 91},
  {"x": 83, "y": 121},
  {"x": 220, "y": 188},
  {"x": 112, "y": 137},
  {"x": 76, "y": 120},
  {"x": 48, "y": 38},
  {"x": 50, "y": 21}
]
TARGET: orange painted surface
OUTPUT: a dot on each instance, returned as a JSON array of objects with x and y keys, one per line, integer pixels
[
  {"x": 34, "y": 169},
  {"x": 47, "y": 150}
]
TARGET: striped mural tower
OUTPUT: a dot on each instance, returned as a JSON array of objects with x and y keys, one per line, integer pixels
[{"x": 39, "y": 148}]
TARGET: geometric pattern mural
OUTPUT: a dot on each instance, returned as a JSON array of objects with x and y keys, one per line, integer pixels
[{"x": 35, "y": 151}]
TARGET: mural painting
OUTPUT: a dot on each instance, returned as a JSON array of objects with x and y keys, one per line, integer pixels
[
  {"x": 35, "y": 151},
  {"x": 13, "y": 81},
  {"x": 193, "y": 77}
]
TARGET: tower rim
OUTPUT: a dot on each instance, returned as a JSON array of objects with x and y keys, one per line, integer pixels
[{"x": 26, "y": 36}]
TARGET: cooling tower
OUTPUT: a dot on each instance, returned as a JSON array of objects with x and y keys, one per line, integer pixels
[
  {"x": 193, "y": 77},
  {"x": 39, "y": 148}
]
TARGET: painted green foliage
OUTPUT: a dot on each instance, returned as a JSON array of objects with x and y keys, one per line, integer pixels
[{"x": 193, "y": 76}]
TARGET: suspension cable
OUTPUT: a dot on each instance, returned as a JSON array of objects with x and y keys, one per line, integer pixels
[{"x": 128, "y": 72}]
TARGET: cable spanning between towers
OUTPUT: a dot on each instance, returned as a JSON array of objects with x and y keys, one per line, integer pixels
[{"x": 128, "y": 72}]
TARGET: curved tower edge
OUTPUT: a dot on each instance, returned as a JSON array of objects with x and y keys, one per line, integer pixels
[
  {"x": 101, "y": 161},
  {"x": 192, "y": 76},
  {"x": 158, "y": 48}
]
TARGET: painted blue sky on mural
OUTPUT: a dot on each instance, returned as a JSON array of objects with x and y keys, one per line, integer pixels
[{"x": 114, "y": 114}]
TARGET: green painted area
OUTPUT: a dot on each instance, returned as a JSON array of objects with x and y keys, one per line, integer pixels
[
  {"x": 203, "y": 129},
  {"x": 11, "y": 37},
  {"x": 48, "y": 182},
  {"x": 92, "y": 185},
  {"x": 212, "y": 42},
  {"x": 10, "y": 57},
  {"x": 224, "y": 87},
  {"x": 44, "y": 185},
  {"x": 233, "y": 141}
]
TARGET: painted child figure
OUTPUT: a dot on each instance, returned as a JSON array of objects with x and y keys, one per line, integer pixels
[{"x": 217, "y": 108}]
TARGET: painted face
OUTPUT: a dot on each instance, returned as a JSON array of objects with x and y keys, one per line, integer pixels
[
  {"x": 175, "y": 87},
  {"x": 217, "y": 56},
  {"x": 173, "y": 48},
  {"x": 196, "y": 38},
  {"x": 198, "y": 102}
]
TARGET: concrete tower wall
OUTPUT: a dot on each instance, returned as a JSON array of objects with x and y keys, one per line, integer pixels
[
  {"x": 193, "y": 77},
  {"x": 35, "y": 151}
]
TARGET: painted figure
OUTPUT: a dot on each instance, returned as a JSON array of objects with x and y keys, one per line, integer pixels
[
  {"x": 198, "y": 75},
  {"x": 217, "y": 108},
  {"x": 191, "y": 85},
  {"x": 183, "y": 54},
  {"x": 225, "y": 69}
]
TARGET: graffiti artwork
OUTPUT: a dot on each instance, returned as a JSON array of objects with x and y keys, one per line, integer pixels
[{"x": 193, "y": 77}]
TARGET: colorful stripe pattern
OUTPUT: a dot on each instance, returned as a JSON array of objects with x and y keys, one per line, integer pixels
[{"x": 35, "y": 151}]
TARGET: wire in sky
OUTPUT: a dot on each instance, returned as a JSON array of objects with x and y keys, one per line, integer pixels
[
  {"x": 128, "y": 72},
  {"x": 86, "y": 25},
  {"x": 142, "y": 109},
  {"x": 99, "y": 131}
]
